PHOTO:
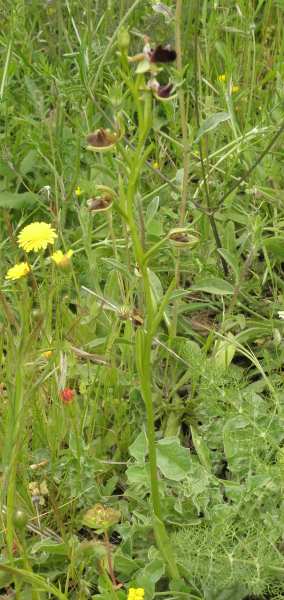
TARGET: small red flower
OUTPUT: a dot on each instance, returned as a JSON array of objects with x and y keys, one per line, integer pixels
[{"x": 67, "y": 395}]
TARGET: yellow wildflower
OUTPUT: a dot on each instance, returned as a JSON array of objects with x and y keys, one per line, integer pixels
[
  {"x": 47, "y": 354},
  {"x": 235, "y": 89},
  {"x": 135, "y": 594},
  {"x": 155, "y": 164},
  {"x": 19, "y": 270},
  {"x": 36, "y": 236},
  {"x": 222, "y": 77},
  {"x": 60, "y": 259},
  {"x": 78, "y": 191}
]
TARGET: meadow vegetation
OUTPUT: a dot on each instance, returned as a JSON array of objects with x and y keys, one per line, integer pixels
[{"x": 142, "y": 299}]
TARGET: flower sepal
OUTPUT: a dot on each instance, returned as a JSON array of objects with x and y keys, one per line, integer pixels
[
  {"x": 181, "y": 237},
  {"x": 102, "y": 202}
]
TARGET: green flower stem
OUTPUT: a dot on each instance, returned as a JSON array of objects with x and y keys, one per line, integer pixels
[
  {"x": 114, "y": 249},
  {"x": 144, "y": 338},
  {"x": 153, "y": 250},
  {"x": 74, "y": 417},
  {"x": 146, "y": 382}
]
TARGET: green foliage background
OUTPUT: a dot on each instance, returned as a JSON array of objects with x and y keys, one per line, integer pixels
[{"x": 218, "y": 359}]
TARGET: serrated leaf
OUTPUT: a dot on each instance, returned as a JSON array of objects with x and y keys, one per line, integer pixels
[
  {"x": 173, "y": 460},
  {"x": 211, "y": 123},
  {"x": 13, "y": 201},
  {"x": 214, "y": 285}
]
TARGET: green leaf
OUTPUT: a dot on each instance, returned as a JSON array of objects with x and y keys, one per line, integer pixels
[
  {"x": 239, "y": 444},
  {"x": 275, "y": 247},
  {"x": 152, "y": 210},
  {"x": 224, "y": 352},
  {"x": 214, "y": 285},
  {"x": 139, "y": 448},
  {"x": 211, "y": 123},
  {"x": 12, "y": 201},
  {"x": 50, "y": 547},
  {"x": 201, "y": 449},
  {"x": 235, "y": 592},
  {"x": 173, "y": 460},
  {"x": 153, "y": 571},
  {"x": 231, "y": 260},
  {"x": 138, "y": 475},
  {"x": 29, "y": 162},
  {"x": 6, "y": 170}
]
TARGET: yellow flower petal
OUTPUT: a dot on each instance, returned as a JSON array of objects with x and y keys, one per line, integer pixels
[
  {"x": 60, "y": 259},
  {"x": 78, "y": 191},
  {"x": 47, "y": 354},
  {"x": 135, "y": 594},
  {"x": 155, "y": 164},
  {"x": 36, "y": 236},
  {"x": 19, "y": 270},
  {"x": 222, "y": 77}
]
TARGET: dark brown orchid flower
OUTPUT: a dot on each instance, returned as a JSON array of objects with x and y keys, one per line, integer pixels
[
  {"x": 162, "y": 54},
  {"x": 161, "y": 92},
  {"x": 183, "y": 238},
  {"x": 99, "y": 204},
  {"x": 104, "y": 201},
  {"x": 101, "y": 140},
  {"x": 164, "y": 91}
]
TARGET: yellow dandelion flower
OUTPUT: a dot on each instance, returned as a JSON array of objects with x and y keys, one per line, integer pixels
[
  {"x": 235, "y": 89},
  {"x": 135, "y": 594},
  {"x": 155, "y": 164},
  {"x": 60, "y": 259},
  {"x": 36, "y": 236},
  {"x": 222, "y": 77},
  {"x": 47, "y": 354},
  {"x": 78, "y": 191},
  {"x": 19, "y": 270}
]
